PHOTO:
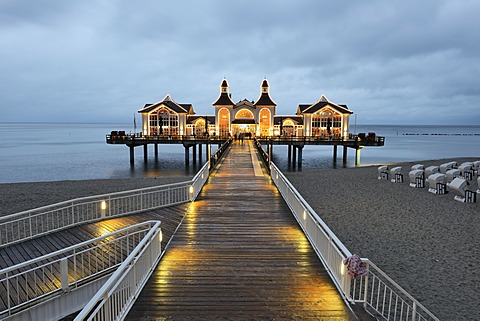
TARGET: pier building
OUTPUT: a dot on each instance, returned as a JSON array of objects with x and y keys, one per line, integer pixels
[
  {"x": 254, "y": 118},
  {"x": 320, "y": 123}
]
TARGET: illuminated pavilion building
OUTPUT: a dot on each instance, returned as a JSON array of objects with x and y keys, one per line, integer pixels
[{"x": 254, "y": 118}]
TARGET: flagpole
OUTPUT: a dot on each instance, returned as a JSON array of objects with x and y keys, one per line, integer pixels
[{"x": 134, "y": 124}]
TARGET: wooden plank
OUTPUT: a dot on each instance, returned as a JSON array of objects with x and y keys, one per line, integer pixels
[{"x": 239, "y": 254}]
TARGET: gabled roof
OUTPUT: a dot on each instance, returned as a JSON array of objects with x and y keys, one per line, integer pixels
[
  {"x": 298, "y": 120},
  {"x": 265, "y": 100},
  {"x": 244, "y": 103},
  {"x": 224, "y": 100},
  {"x": 321, "y": 103},
  {"x": 171, "y": 104}
]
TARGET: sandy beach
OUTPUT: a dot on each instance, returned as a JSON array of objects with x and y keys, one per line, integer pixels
[{"x": 429, "y": 244}]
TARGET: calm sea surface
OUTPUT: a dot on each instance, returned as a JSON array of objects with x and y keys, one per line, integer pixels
[{"x": 48, "y": 152}]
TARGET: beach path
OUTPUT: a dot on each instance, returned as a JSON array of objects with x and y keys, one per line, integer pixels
[{"x": 239, "y": 254}]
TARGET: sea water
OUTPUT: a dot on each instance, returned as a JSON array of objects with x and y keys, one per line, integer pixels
[{"x": 32, "y": 152}]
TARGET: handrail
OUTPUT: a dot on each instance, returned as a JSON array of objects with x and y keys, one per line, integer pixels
[
  {"x": 118, "y": 294},
  {"x": 381, "y": 294},
  {"x": 376, "y": 291},
  {"x": 28, "y": 282},
  {"x": 46, "y": 219}
]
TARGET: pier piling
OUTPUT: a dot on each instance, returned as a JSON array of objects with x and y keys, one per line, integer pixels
[
  {"x": 132, "y": 155},
  {"x": 145, "y": 153}
]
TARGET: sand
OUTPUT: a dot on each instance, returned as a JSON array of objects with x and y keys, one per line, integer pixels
[{"x": 429, "y": 244}]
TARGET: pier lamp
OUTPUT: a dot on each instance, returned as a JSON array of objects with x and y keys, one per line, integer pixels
[
  {"x": 160, "y": 235},
  {"x": 190, "y": 189},
  {"x": 342, "y": 268},
  {"x": 304, "y": 215},
  {"x": 103, "y": 208}
]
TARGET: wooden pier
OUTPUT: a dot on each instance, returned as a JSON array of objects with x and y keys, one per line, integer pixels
[
  {"x": 240, "y": 255},
  {"x": 135, "y": 140},
  {"x": 295, "y": 144}
]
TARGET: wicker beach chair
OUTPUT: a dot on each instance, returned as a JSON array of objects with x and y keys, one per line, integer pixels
[
  {"x": 447, "y": 166},
  {"x": 459, "y": 187},
  {"x": 452, "y": 174},
  {"x": 431, "y": 170},
  {"x": 437, "y": 183},
  {"x": 396, "y": 175},
  {"x": 417, "y": 178},
  {"x": 383, "y": 173},
  {"x": 417, "y": 166}
]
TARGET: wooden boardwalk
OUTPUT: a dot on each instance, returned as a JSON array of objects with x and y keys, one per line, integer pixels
[
  {"x": 24, "y": 251},
  {"x": 239, "y": 255}
]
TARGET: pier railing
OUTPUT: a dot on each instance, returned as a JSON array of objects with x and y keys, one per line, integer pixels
[
  {"x": 43, "y": 220},
  {"x": 162, "y": 139},
  {"x": 377, "y": 292},
  {"x": 25, "y": 284},
  {"x": 118, "y": 294},
  {"x": 351, "y": 140}
]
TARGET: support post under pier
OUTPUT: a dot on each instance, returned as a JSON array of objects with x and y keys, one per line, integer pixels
[
  {"x": 345, "y": 154},
  {"x": 289, "y": 153},
  {"x": 194, "y": 153},
  {"x": 132, "y": 155},
  {"x": 145, "y": 153},
  {"x": 156, "y": 150},
  {"x": 200, "y": 152},
  {"x": 187, "y": 154},
  {"x": 335, "y": 153},
  {"x": 294, "y": 160},
  {"x": 300, "y": 149}
]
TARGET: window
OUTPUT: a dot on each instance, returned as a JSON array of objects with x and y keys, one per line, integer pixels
[
  {"x": 244, "y": 113},
  {"x": 163, "y": 122},
  {"x": 223, "y": 122},
  {"x": 265, "y": 122}
]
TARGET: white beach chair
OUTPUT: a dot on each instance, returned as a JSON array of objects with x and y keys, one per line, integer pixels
[
  {"x": 396, "y": 175},
  {"x": 476, "y": 166},
  {"x": 417, "y": 166},
  {"x": 451, "y": 174},
  {"x": 431, "y": 170},
  {"x": 383, "y": 172},
  {"x": 437, "y": 183},
  {"x": 478, "y": 186},
  {"x": 447, "y": 166},
  {"x": 466, "y": 170},
  {"x": 417, "y": 178},
  {"x": 459, "y": 187}
]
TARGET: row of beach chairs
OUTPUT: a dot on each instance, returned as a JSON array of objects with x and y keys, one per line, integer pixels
[{"x": 448, "y": 177}]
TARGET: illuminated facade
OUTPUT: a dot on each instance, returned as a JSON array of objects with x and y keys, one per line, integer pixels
[{"x": 253, "y": 118}]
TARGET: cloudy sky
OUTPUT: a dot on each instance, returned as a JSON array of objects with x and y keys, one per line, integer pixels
[{"x": 391, "y": 62}]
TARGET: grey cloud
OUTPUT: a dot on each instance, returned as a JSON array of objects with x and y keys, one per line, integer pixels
[{"x": 387, "y": 60}]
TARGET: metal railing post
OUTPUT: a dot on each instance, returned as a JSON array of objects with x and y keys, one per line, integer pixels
[{"x": 64, "y": 273}]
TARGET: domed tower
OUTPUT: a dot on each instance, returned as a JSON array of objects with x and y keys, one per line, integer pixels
[
  {"x": 223, "y": 110},
  {"x": 266, "y": 110}
]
